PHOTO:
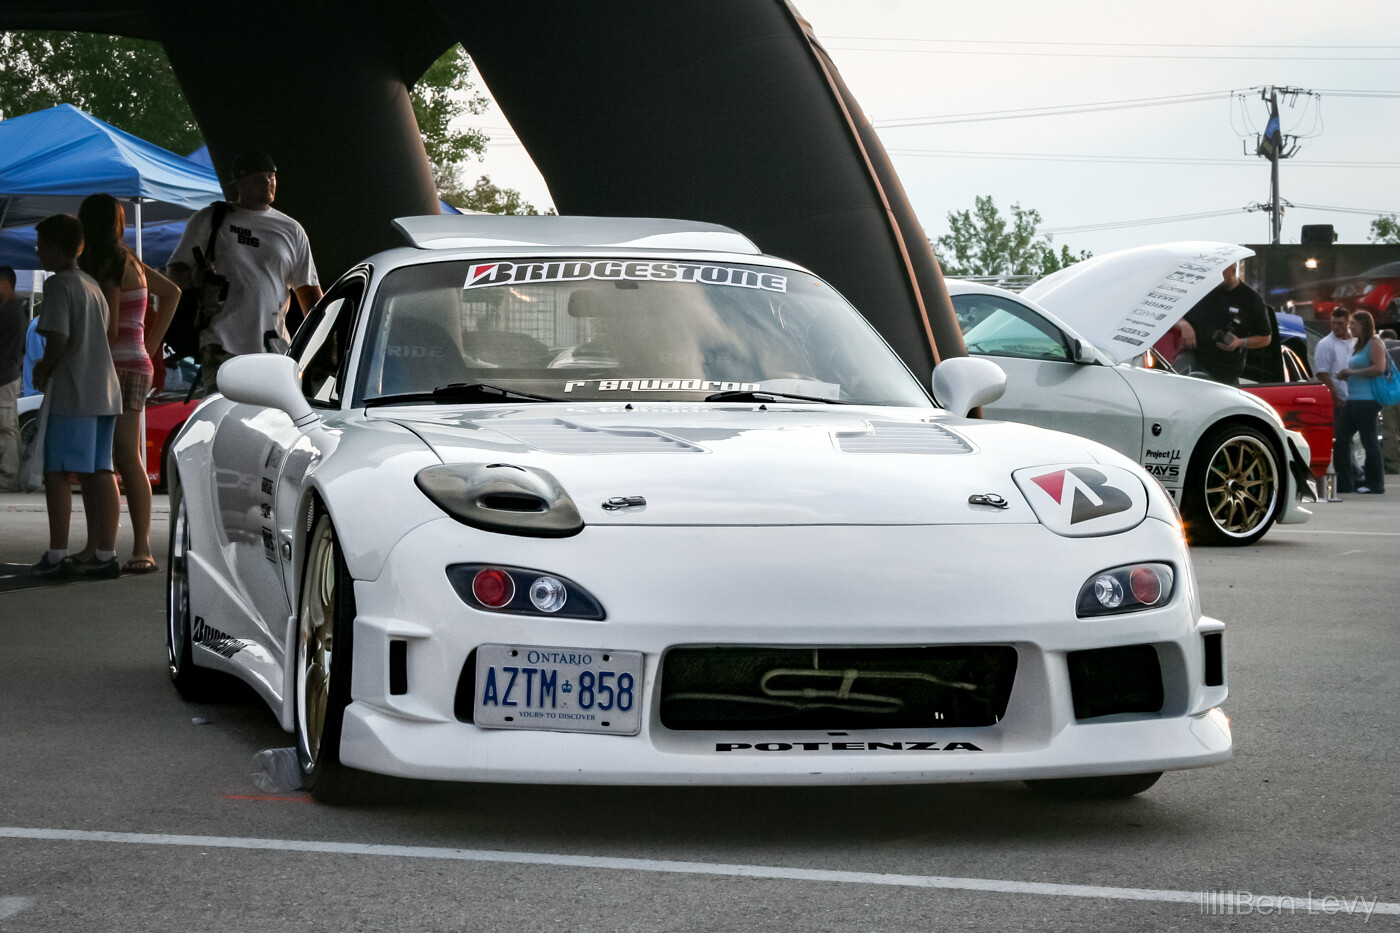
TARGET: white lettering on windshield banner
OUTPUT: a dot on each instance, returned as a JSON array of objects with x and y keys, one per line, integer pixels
[
  {"x": 662, "y": 385},
  {"x": 484, "y": 275}
]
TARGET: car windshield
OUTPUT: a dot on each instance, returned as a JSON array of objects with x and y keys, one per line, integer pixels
[{"x": 635, "y": 330}]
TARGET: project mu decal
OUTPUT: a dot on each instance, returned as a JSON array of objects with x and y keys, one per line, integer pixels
[
  {"x": 483, "y": 275},
  {"x": 846, "y": 747}
]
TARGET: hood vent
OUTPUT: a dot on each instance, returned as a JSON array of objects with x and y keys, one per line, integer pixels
[
  {"x": 502, "y": 497},
  {"x": 901, "y": 437},
  {"x": 557, "y": 436}
]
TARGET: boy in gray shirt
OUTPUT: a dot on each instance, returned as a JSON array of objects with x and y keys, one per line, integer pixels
[{"x": 83, "y": 398}]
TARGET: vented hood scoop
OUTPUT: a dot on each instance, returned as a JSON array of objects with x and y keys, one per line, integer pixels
[{"x": 502, "y": 497}]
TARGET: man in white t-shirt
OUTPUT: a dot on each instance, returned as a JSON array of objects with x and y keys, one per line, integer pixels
[
  {"x": 1333, "y": 353},
  {"x": 264, "y": 255}
]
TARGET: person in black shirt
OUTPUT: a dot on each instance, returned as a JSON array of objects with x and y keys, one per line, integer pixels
[
  {"x": 14, "y": 318},
  {"x": 1224, "y": 324}
]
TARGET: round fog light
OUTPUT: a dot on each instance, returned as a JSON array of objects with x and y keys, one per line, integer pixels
[
  {"x": 1108, "y": 591},
  {"x": 1146, "y": 585},
  {"x": 548, "y": 594},
  {"x": 493, "y": 587}
]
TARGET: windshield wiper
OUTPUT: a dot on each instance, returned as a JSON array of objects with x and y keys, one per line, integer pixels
[
  {"x": 460, "y": 392},
  {"x": 765, "y": 395}
]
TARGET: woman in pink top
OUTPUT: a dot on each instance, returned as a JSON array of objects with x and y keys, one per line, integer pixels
[{"x": 128, "y": 283}]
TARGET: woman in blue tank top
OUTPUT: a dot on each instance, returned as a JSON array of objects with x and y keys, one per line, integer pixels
[{"x": 1361, "y": 412}]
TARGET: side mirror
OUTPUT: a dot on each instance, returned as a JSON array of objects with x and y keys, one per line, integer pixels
[
  {"x": 962, "y": 383},
  {"x": 269, "y": 380},
  {"x": 1081, "y": 351}
]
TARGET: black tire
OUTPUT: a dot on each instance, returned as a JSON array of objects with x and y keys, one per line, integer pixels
[
  {"x": 163, "y": 483},
  {"x": 1234, "y": 487},
  {"x": 1108, "y": 787},
  {"x": 197, "y": 684},
  {"x": 28, "y": 426},
  {"x": 324, "y": 647}
]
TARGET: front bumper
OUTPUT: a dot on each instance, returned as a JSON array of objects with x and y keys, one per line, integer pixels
[
  {"x": 1011, "y": 585},
  {"x": 1300, "y": 487}
]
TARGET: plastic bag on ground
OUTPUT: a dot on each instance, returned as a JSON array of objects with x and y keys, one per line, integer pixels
[{"x": 277, "y": 769}]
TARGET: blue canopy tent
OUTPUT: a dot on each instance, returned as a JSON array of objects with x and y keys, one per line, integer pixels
[
  {"x": 52, "y": 159},
  {"x": 158, "y": 240}
]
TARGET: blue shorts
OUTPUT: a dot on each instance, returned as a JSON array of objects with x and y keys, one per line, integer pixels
[{"x": 78, "y": 443}]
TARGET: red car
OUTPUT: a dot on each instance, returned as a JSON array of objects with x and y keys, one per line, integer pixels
[
  {"x": 1304, "y": 404},
  {"x": 1375, "y": 290},
  {"x": 167, "y": 410},
  {"x": 1279, "y": 374},
  {"x": 165, "y": 416}
]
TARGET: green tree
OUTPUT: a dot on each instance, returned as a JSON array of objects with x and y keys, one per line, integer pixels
[
  {"x": 444, "y": 93},
  {"x": 982, "y": 242},
  {"x": 1385, "y": 229},
  {"x": 125, "y": 82},
  {"x": 129, "y": 83},
  {"x": 488, "y": 197}
]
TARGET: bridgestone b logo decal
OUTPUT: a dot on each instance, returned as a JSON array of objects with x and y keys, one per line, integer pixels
[
  {"x": 484, "y": 275},
  {"x": 1088, "y": 491}
]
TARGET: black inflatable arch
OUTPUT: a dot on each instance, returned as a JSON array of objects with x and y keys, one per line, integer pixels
[{"x": 725, "y": 111}]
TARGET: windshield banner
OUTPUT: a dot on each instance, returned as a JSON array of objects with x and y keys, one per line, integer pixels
[{"x": 483, "y": 275}]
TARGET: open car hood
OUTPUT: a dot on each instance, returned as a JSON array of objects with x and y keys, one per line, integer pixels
[{"x": 1123, "y": 302}]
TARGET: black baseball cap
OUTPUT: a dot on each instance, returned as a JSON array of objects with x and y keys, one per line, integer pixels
[{"x": 252, "y": 162}]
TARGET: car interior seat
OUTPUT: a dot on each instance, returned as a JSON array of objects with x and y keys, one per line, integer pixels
[{"x": 420, "y": 351}]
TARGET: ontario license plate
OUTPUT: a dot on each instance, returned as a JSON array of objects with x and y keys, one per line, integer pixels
[{"x": 558, "y": 689}]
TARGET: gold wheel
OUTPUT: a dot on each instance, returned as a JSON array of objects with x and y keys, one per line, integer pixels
[
  {"x": 1235, "y": 488},
  {"x": 316, "y": 643}
]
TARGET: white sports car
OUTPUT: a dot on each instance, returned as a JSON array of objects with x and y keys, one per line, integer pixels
[
  {"x": 1224, "y": 454},
  {"x": 612, "y": 501}
]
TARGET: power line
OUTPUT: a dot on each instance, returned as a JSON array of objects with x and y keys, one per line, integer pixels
[
  {"x": 1123, "y": 159},
  {"x": 1055, "y": 111},
  {"x": 1132, "y": 55},
  {"x": 1203, "y": 215},
  {"x": 1343, "y": 210},
  {"x": 1097, "y": 106},
  {"x": 1147, "y": 221},
  {"x": 1189, "y": 45},
  {"x": 1363, "y": 94}
]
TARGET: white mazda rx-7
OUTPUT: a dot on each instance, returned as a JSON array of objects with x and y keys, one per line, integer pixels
[{"x": 619, "y": 501}]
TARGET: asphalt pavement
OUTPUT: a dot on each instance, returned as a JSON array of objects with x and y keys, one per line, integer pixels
[
  {"x": 24, "y": 534},
  {"x": 124, "y": 807}
]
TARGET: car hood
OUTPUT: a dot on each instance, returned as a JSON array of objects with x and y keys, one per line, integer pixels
[
  {"x": 779, "y": 465},
  {"x": 1124, "y": 301}
]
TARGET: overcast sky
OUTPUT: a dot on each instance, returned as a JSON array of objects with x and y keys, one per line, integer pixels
[{"x": 1091, "y": 173}]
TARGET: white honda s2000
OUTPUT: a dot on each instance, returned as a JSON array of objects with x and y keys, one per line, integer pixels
[{"x": 609, "y": 501}]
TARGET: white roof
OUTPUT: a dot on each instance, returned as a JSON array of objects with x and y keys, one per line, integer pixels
[{"x": 465, "y": 231}]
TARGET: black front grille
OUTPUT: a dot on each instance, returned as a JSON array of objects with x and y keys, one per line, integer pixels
[
  {"x": 781, "y": 688},
  {"x": 1107, "y": 681}
]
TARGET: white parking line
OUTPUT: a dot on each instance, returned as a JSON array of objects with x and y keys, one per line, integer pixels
[
  {"x": 1220, "y": 902},
  {"x": 9, "y": 906},
  {"x": 1314, "y": 531}
]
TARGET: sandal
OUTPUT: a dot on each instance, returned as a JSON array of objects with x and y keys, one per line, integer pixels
[{"x": 140, "y": 565}]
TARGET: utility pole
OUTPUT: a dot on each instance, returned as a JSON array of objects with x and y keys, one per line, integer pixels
[{"x": 1273, "y": 144}]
